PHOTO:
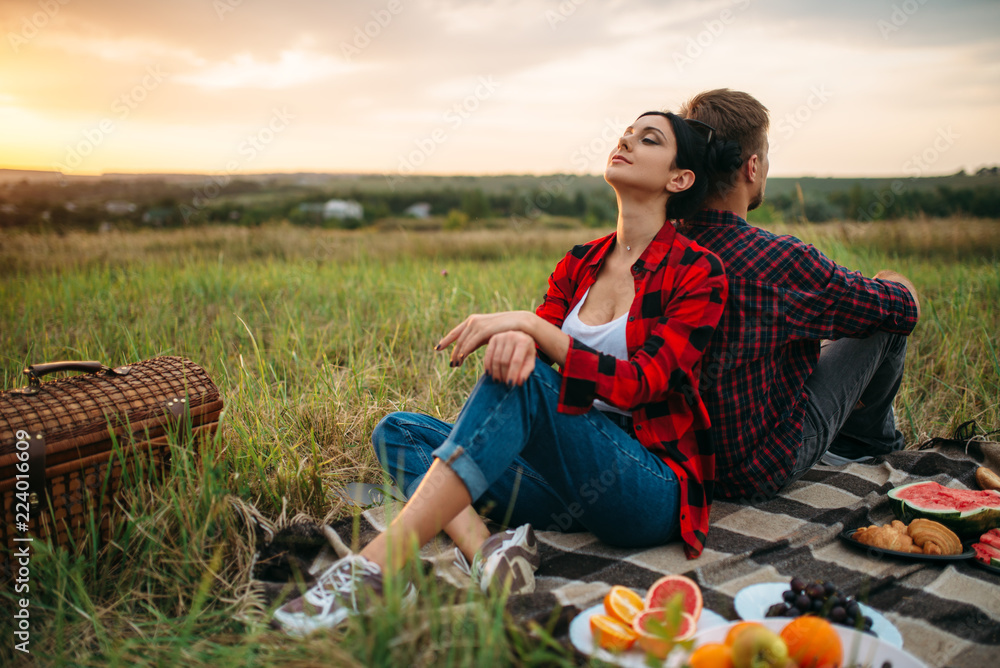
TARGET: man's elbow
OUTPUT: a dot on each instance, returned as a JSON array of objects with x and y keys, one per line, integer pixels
[{"x": 896, "y": 277}]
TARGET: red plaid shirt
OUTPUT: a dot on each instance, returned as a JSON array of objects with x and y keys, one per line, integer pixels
[
  {"x": 680, "y": 291},
  {"x": 784, "y": 297}
]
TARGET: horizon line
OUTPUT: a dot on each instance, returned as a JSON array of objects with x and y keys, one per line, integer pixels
[{"x": 51, "y": 173}]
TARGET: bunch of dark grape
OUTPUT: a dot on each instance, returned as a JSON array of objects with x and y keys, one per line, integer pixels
[{"x": 822, "y": 599}]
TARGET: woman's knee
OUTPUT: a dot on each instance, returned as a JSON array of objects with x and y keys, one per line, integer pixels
[
  {"x": 388, "y": 436},
  {"x": 405, "y": 442}
]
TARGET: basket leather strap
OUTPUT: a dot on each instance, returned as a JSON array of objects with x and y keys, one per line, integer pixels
[{"x": 37, "y": 489}]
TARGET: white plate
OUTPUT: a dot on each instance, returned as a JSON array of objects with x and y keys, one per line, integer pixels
[
  {"x": 583, "y": 640},
  {"x": 860, "y": 649},
  {"x": 752, "y": 603}
]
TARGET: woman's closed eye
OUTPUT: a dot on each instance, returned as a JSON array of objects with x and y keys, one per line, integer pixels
[{"x": 649, "y": 140}]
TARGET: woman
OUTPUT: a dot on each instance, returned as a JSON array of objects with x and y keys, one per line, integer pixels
[{"x": 615, "y": 443}]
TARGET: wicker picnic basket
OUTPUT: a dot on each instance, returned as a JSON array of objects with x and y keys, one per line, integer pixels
[{"x": 64, "y": 443}]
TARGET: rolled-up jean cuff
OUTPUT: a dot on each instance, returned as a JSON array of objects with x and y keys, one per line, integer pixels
[{"x": 464, "y": 466}]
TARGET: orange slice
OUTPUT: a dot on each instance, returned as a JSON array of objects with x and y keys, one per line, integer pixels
[
  {"x": 611, "y": 634},
  {"x": 622, "y": 604}
]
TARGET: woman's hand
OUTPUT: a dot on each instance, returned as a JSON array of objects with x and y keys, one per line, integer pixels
[
  {"x": 479, "y": 328},
  {"x": 510, "y": 357}
]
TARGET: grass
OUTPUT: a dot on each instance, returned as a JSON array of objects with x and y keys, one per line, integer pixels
[{"x": 312, "y": 337}]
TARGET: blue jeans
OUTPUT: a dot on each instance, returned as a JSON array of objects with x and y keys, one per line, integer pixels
[
  {"x": 851, "y": 391},
  {"x": 523, "y": 462}
]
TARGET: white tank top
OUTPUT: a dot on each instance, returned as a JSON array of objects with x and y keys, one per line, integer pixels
[{"x": 608, "y": 338}]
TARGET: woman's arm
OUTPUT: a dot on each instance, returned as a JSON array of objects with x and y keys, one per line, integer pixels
[
  {"x": 514, "y": 337},
  {"x": 482, "y": 328}
]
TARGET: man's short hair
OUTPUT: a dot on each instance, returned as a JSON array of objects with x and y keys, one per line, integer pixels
[{"x": 734, "y": 115}]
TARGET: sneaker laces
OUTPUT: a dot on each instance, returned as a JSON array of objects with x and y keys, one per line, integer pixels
[
  {"x": 341, "y": 582},
  {"x": 473, "y": 570},
  {"x": 461, "y": 563}
]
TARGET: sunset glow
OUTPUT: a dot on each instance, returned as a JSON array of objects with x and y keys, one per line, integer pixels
[{"x": 507, "y": 86}]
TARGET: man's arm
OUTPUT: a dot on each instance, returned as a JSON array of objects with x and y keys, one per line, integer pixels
[
  {"x": 896, "y": 277},
  {"x": 824, "y": 300}
]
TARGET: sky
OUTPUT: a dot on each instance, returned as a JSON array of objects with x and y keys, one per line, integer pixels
[{"x": 400, "y": 87}]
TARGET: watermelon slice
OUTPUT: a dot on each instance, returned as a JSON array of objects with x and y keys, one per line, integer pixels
[
  {"x": 991, "y": 537},
  {"x": 967, "y": 512},
  {"x": 987, "y": 554}
]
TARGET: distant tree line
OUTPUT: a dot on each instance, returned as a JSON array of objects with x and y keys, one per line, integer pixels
[
  {"x": 125, "y": 203},
  {"x": 172, "y": 206},
  {"x": 895, "y": 201}
]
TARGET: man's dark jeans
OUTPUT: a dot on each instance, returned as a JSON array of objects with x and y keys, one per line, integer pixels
[{"x": 849, "y": 415}]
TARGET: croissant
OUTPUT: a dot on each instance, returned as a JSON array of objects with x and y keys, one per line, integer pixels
[
  {"x": 888, "y": 537},
  {"x": 934, "y": 538},
  {"x": 987, "y": 479}
]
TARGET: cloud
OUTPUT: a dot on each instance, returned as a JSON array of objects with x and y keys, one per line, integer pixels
[
  {"x": 116, "y": 49},
  {"x": 292, "y": 68},
  {"x": 366, "y": 83}
]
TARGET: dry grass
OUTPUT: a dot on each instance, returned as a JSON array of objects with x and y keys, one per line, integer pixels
[{"x": 313, "y": 336}]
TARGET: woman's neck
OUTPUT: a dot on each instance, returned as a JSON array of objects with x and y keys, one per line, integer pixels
[{"x": 638, "y": 223}]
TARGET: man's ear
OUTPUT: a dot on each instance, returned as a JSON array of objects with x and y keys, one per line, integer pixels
[
  {"x": 681, "y": 180},
  {"x": 751, "y": 168}
]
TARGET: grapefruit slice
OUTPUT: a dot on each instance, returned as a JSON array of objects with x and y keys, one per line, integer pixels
[
  {"x": 666, "y": 588},
  {"x": 651, "y": 634},
  {"x": 611, "y": 634},
  {"x": 622, "y": 604}
]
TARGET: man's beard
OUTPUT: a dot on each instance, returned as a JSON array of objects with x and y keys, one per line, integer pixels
[{"x": 757, "y": 200}]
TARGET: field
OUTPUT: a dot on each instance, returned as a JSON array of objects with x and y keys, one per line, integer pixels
[{"x": 313, "y": 336}]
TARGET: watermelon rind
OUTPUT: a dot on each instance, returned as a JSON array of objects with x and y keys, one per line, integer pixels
[
  {"x": 984, "y": 555},
  {"x": 967, "y": 524}
]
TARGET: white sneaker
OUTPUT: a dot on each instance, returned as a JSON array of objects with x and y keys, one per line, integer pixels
[
  {"x": 507, "y": 559},
  {"x": 347, "y": 588}
]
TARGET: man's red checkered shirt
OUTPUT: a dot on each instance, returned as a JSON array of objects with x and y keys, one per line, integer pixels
[
  {"x": 680, "y": 291},
  {"x": 784, "y": 298}
]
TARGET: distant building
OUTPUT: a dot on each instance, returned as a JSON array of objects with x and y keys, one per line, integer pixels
[
  {"x": 158, "y": 217},
  {"x": 311, "y": 208},
  {"x": 419, "y": 210},
  {"x": 343, "y": 209},
  {"x": 119, "y": 207}
]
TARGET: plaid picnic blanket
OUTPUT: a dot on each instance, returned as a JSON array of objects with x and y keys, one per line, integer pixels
[{"x": 947, "y": 612}]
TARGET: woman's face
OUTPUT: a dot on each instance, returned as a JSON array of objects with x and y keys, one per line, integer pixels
[{"x": 645, "y": 156}]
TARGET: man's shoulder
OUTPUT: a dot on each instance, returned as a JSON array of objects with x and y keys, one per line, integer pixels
[
  {"x": 693, "y": 252},
  {"x": 755, "y": 253},
  {"x": 746, "y": 238}
]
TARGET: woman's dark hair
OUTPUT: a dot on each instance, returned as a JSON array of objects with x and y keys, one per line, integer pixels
[{"x": 699, "y": 150}]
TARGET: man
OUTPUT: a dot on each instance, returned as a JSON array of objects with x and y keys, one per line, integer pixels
[{"x": 808, "y": 355}]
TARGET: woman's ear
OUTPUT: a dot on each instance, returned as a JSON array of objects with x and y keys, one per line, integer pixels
[{"x": 680, "y": 180}]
